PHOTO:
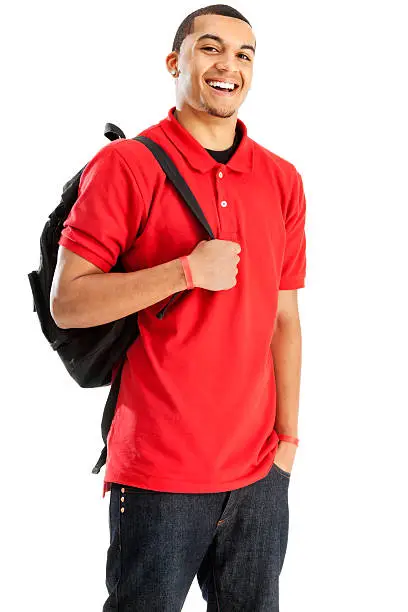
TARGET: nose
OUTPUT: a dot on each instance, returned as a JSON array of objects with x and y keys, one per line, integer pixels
[
  {"x": 226, "y": 61},
  {"x": 224, "y": 66},
  {"x": 227, "y": 69}
]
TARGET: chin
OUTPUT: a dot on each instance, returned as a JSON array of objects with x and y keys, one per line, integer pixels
[
  {"x": 224, "y": 113},
  {"x": 221, "y": 110}
]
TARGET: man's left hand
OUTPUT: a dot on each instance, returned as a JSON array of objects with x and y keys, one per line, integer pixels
[{"x": 285, "y": 455}]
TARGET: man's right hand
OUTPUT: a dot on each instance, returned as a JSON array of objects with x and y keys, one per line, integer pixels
[{"x": 214, "y": 263}]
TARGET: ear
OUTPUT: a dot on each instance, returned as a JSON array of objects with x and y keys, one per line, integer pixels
[{"x": 172, "y": 62}]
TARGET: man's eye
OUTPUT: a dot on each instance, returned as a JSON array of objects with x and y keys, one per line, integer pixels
[{"x": 215, "y": 49}]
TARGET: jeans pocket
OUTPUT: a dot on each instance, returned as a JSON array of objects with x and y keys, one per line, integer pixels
[{"x": 281, "y": 471}]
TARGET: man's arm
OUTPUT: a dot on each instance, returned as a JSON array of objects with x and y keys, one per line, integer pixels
[
  {"x": 286, "y": 346},
  {"x": 82, "y": 295}
]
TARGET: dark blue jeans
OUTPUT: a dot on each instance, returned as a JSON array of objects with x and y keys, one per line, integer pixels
[{"x": 234, "y": 541}]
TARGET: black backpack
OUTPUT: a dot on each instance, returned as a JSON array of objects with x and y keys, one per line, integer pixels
[{"x": 90, "y": 354}]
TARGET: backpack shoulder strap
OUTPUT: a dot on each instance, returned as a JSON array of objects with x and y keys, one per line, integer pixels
[{"x": 177, "y": 180}]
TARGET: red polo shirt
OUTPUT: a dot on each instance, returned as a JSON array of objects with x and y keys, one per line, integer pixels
[{"x": 196, "y": 407}]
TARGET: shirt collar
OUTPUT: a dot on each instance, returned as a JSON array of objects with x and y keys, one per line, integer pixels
[{"x": 197, "y": 156}]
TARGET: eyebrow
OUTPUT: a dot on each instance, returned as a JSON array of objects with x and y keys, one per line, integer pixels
[{"x": 222, "y": 42}]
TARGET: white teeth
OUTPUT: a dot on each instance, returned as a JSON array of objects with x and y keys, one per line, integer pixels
[{"x": 229, "y": 86}]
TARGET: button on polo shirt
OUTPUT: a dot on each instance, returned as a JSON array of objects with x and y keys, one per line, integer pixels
[{"x": 197, "y": 402}]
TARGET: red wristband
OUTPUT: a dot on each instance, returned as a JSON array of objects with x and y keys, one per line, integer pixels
[
  {"x": 187, "y": 271},
  {"x": 289, "y": 439}
]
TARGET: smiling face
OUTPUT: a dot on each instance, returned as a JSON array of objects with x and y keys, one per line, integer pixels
[{"x": 219, "y": 52}]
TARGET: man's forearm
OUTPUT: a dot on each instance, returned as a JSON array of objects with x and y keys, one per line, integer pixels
[
  {"x": 286, "y": 349},
  {"x": 95, "y": 299}
]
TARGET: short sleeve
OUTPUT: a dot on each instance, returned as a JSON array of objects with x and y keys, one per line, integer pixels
[
  {"x": 105, "y": 219},
  {"x": 294, "y": 260}
]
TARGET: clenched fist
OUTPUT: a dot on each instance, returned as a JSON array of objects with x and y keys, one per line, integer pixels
[{"x": 213, "y": 264}]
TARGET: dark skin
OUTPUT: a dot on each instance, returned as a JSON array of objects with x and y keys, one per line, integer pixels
[{"x": 228, "y": 55}]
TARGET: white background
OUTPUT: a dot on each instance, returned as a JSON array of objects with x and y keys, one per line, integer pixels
[{"x": 328, "y": 94}]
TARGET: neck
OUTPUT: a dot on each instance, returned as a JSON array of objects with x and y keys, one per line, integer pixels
[{"x": 215, "y": 133}]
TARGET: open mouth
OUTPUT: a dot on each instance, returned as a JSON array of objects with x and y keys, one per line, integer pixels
[{"x": 222, "y": 89}]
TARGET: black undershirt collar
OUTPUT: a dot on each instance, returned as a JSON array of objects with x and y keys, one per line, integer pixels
[{"x": 224, "y": 156}]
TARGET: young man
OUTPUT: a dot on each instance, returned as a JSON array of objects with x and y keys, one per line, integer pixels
[{"x": 197, "y": 473}]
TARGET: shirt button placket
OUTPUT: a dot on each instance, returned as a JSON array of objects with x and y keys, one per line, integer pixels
[
  {"x": 220, "y": 192},
  {"x": 225, "y": 208}
]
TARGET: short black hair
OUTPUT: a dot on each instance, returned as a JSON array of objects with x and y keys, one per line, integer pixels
[{"x": 187, "y": 25}]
